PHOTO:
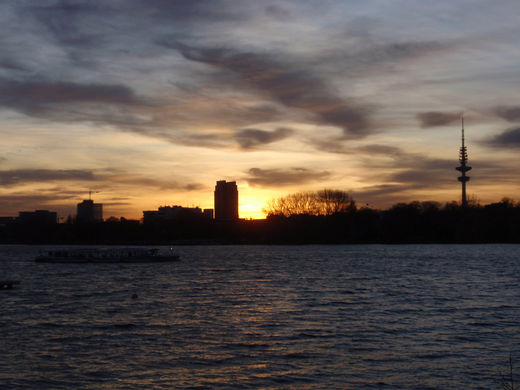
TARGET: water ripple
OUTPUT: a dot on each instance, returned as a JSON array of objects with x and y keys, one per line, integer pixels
[{"x": 306, "y": 317}]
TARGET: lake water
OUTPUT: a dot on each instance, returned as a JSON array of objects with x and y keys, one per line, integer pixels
[{"x": 290, "y": 317}]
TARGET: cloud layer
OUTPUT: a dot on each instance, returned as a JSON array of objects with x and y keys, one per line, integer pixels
[
  {"x": 249, "y": 138},
  {"x": 509, "y": 139},
  {"x": 511, "y": 113},
  {"x": 287, "y": 84},
  {"x": 284, "y": 177},
  {"x": 435, "y": 119},
  {"x": 22, "y": 176}
]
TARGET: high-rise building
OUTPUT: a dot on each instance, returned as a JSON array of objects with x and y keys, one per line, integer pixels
[
  {"x": 463, "y": 168},
  {"x": 226, "y": 201},
  {"x": 89, "y": 212}
]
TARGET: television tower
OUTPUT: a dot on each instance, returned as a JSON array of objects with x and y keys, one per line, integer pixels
[{"x": 463, "y": 168}]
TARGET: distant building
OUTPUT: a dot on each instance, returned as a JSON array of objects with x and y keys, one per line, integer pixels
[
  {"x": 172, "y": 213},
  {"x": 208, "y": 213},
  {"x": 89, "y": 212},
  {"x": 6, "y": 221},
  {"x": 226, "y": 201},
  {"x": 37, "y": 218}
]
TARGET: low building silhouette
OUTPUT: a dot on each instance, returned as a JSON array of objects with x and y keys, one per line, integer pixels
[
  {"x": 6, "y": 221},
  {"x": 89, "y": 212},
  {"x": 208, "y": 213},
  {"x": 176, "y": 213},
  {"x": 226, "y": 201},
  {"x": 37, "y": 218}
]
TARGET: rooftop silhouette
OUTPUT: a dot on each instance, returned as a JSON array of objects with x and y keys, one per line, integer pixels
[{"x": 89, "y": 212}]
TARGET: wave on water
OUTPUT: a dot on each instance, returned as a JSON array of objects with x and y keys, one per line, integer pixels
[{"x": 335, "y": 317}]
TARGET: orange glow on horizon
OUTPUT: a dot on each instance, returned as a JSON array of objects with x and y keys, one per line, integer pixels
[
  {"x": 251, "y": 214},
  {"x": 250, "y": 207}
]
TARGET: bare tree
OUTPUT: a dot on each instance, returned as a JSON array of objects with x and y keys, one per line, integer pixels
[
  {"x": 324, "y": 202},
  {"x": 335, "y": 201}
]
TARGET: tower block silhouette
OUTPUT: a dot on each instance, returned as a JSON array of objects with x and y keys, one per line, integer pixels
[
  {"x": 226, "y": 201},
  {"x": 463, "y": 168}
]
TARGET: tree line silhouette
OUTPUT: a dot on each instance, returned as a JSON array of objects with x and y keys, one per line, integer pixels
[
  {"x": 337, "y": 219},
  {"x": 322, "y": 217}
]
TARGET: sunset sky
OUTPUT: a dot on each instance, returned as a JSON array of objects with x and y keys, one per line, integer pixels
[{"x": 149, "y": 103}]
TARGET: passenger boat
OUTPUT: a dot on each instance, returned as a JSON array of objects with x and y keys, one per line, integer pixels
[{"x": 105, "y": 255}]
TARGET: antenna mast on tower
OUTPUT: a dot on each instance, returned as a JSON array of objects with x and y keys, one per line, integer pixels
[{"x": 90, "y": 192}]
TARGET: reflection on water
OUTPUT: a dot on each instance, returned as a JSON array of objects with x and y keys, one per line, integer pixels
[{"x": 399, "y": 317}]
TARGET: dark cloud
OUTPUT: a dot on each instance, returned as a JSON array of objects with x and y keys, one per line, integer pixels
[
  {"x": 381, "y": 194},
  {"x": 330, "y": 145},
  {"x": 277, "y": 12},
  {"x": 429, "y": 174},
  {"x": 202, "y": 11},
  {"x": 7, "y": 63},
  {"x": 287, "y": 84},
  {"x": 149, "y": 182},
  {"x": 435, "y": 119},
  {"x": 64, "y": 18},
  {"x": 377, "y": 156},
  {"x": 196, "y": 139},
  {"x": 386, "y": 195},
  {"x": 413, "y": 171},
  {"x": 193, "y": 186},
  {"x": 386, "y": 150},
  {"x": 120, "y": 107},
  {"x": 249, "y": 138},
  {"x": 509, "y": 139},
  {"x": 381, "y": 190},
  {"x": 188, "y": 12},
  {"x": 336, "y": 145},
  {"x": 37, "y": 97},
  {"x": 63, "y": 203},
  {"x": 20, "y": 176},
  {"x": 408, "y": 170},
  {"x": 365, "y": 56},
  {"x": 107, "y": 178},
  {"x": 173, "y": 185},
  {"x": 283, "y": 177},
  {"x": 376, "y": 54},
  {"x": 119, "y": 199},
  {"x": 187, "y": 121},
  {"x": 511, "y": 114},
  {"x": 90, "y": 35},
  {"x": 99, "y": 104},
  {"x": 116, "y": 204},
  {"x": 434, "y": 177}
]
